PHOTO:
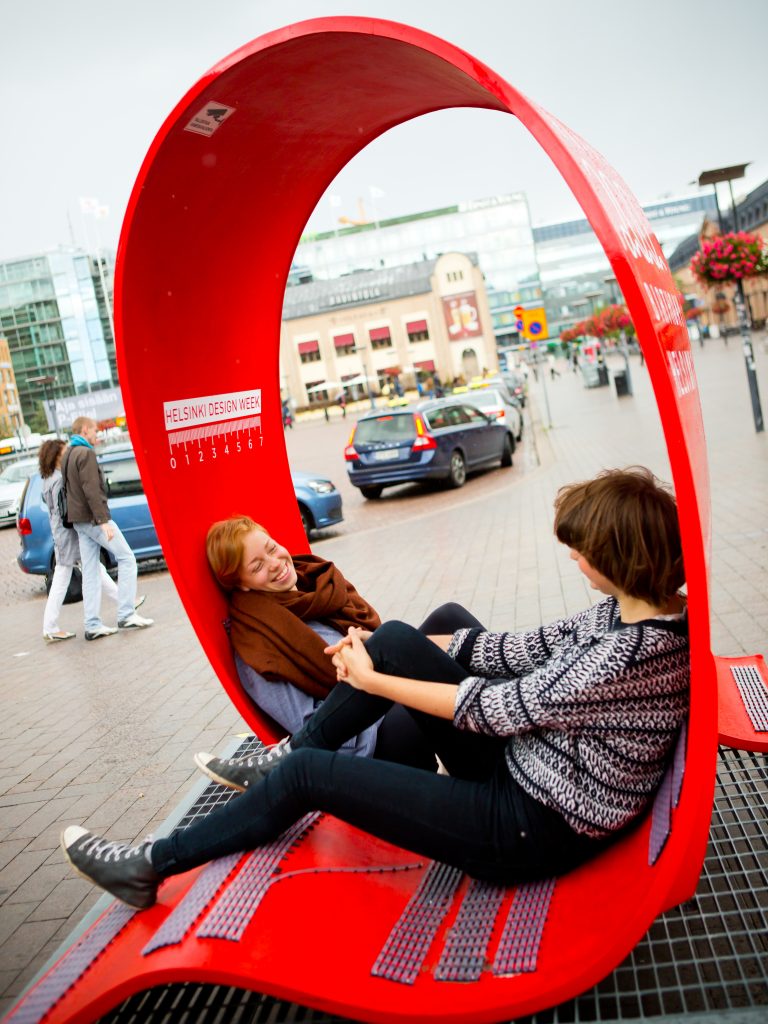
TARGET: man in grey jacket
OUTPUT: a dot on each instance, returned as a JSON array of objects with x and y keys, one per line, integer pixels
[{"x": 89, "y": 514}]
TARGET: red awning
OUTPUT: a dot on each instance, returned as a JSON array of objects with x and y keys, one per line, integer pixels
[
  {"x": 379, "y": 333},
  {"x": 390, "y": 371},
  {"x": 428, "y": 364},
  {"x": 308, "y": 346},
  {"x": 416, "y": 326},
  {"x": 344, "y": 340}
]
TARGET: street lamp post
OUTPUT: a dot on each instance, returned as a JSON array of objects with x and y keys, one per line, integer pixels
[
  {"x": 364, "y": 364},
  {"x": 729, "y": 174},
  {"x": 623, "y": 348}
]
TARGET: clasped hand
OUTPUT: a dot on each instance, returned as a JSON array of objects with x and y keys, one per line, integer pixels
[{"x": 351, "y": 660}]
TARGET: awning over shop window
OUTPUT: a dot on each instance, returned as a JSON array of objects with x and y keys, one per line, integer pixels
[
  {"x": 416, "y": 326},
  {"x": 379, "y": 333},
  {"x": 344, "y": 340},
  {"x": 308, "y": 346},
  {"x": 428, "y": 364},
  {"x": 390, "y": 371}
]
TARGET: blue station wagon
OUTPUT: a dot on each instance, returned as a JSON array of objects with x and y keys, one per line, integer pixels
[
  {"x": 318, "y": 500},
  {"x": 440, "y": 440}
]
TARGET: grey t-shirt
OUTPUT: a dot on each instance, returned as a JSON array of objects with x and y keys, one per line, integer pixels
[{"x": 290, "y": 706}]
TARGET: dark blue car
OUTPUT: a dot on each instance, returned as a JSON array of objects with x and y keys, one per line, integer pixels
[{"x": 440, "y": 440}]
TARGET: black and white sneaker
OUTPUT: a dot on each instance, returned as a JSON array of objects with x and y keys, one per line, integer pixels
[
  {"x": 123, "y": 870},
  {"x": 240, "y": 773}
]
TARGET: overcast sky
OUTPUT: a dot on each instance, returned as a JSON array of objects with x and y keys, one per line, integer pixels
[{"x": 663, "y": 88}]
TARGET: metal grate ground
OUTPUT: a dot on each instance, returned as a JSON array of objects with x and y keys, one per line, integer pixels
[{"x": 706, "y": 960}]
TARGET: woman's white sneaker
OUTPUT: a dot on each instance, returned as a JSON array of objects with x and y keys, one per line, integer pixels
[{"x": 135, "y": 621}]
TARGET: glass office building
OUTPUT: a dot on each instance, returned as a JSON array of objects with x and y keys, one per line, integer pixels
[
  {"x": 498, "y": 229},
  {"x": 54, "y": 316},
  {"x": 574, "y": 268}
]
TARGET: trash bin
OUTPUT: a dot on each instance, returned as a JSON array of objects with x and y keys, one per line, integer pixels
[{"x": 621, "y": 382}]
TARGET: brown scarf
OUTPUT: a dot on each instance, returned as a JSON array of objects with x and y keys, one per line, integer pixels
[{"x": 269, "y": 631}]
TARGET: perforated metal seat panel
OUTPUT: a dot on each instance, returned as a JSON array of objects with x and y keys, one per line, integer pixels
[{"x": 754, "y": 695}]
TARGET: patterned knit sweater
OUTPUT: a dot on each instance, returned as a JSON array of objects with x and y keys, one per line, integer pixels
[{"x": 591, "y": 707}]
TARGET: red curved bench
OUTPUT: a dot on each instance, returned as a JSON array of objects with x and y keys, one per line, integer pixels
[{"x": 227, "y": 186}]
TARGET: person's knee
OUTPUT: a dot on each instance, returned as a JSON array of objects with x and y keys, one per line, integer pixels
[
  {"x": 390, "y": 639},
  {"x": 297, "y": 772}
]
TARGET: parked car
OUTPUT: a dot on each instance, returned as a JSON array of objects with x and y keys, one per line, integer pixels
[
  {"x": 494, "y": 404},
  {"x": 319, "y": 501},
  {"x": 438, "y": 440},
  {"x": 516, "y": 384},
  {"x": 319, "y": 504},
  {"x": 13, "y": 480},
  {"x": 127, "y": 504}
]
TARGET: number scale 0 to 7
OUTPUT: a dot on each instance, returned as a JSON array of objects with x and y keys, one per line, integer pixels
[{"x": 194, "y": 445}]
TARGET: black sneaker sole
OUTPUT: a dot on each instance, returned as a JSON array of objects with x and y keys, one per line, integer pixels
[
  {"x": 206, "y": 770},
  {"x": 76, "y": 869}
]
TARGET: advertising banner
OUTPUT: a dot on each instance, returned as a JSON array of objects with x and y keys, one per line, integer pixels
[{"x": 462, "y": 317}]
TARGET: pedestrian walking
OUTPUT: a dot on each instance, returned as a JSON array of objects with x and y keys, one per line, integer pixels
[
  {"x": 66, "y": 548},
  {"x": 88, "y": 512}
]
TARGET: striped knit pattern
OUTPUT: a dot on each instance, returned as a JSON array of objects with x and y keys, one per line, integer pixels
[{"x": 591, "y": 708}]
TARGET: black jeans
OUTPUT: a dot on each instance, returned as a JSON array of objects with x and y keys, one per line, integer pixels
[
  {"x": 400, "y": 737},
  {"x": 477, "y": 818}
]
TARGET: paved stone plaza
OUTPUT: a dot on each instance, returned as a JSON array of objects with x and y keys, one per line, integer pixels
[{"x": 103, "y": 734}]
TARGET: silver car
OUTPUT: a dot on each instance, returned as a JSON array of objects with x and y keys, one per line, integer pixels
[
  {"x": 12, "y": 481},
  {"x": 495, "y": 405}
]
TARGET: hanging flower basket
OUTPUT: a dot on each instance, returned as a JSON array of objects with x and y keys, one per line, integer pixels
[{"x": 730, "y": 257}]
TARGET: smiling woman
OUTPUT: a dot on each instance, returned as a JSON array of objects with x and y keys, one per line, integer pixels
[{"x": 284, "y": 611}]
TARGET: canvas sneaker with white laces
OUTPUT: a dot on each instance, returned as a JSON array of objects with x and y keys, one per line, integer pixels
[
  {"x": 240, "y": 773},
  {"x": 124, "y": 871}
]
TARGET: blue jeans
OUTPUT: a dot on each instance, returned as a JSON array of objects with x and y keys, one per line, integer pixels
[
  {"x": 92, "y": 540},
  {"x": 477, "y": 819}
]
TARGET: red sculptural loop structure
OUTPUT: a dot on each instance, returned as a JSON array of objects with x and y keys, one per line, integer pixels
[{"x": 225, "y": 191}]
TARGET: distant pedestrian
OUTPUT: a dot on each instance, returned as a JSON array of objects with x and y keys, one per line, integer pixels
[
  {"x": 552, "y": 363},
  {"x": 66, "y": 547},
  {"x": 287, "y": 415},
  {"x": 342, "y": 401},
  {"x": 326, "y": 414},
  {"x": 89, "y": 514}
]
